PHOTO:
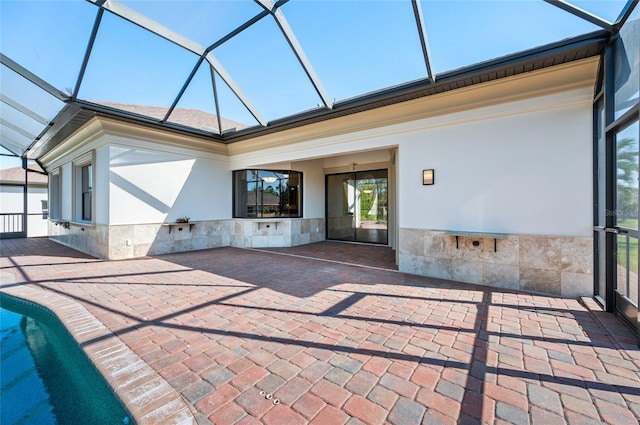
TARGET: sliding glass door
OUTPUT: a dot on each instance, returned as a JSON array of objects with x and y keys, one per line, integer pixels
[{"x": 357, "y": 206}]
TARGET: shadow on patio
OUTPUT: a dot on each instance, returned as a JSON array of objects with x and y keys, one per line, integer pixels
[{"x": 334, "y": 342}]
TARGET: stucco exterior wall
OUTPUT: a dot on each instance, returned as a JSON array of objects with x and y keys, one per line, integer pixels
[
  {"x": 522, "y": 172},
  {"x": 151, "y": 185},
  {"x": 512, "y": 156}
]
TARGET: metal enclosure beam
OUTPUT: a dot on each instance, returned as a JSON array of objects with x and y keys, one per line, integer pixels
[
  {"x": 238, "y": 30},
  {"x": 298, "y": 51},
  {"x": 183, "y": 89},
  {"x": 581, "y": 13},
  {"x": 168, "y": 34},
  {"x": 424, "y": 42},
  {"x": 87, "y": 53},
  {"x": 33, "y": 78},
  {"x": 625, "y": 13},
  {"x": 25, "y": 197},
  {"x": 226, "y": 77},
  {"x": 215, "y": 98}
]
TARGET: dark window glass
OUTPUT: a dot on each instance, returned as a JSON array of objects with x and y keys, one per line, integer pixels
[
  {"x": 55, "y": 196},
  {"x": 267, "y": 194},
  {"x": 87, "y": 184}
]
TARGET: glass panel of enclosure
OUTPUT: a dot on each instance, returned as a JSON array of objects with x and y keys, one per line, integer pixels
[
  {"x": 627, "y": 63},
  {"x": 38, "y": 42},
  {"x": 627, "y": 208},
  {"x": 601, "y": 289},
  {"x": 267, "y": 194},
  {"x": 609, "y": 10},
  {"x": 627, "y": 177},
  {"x": 627, "y": 268}
]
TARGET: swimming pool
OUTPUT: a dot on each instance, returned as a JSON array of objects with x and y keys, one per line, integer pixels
[{"x": 45, "y": 377}]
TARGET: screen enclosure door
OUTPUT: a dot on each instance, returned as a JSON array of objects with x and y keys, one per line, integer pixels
[
  {"x": 357, "y": 206},
  {"x": 626, "y": 216}
]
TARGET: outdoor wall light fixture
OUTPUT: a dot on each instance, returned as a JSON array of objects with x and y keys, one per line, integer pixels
[{"x": 428, "y": 177}]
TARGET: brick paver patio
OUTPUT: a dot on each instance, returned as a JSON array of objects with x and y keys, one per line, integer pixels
[{"x": 336, "y": 343}]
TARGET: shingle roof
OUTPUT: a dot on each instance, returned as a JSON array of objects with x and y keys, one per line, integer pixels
[
  {"x": 194, "y": 118},
  {"x": 266, "y": 198},
  {"x": 15, "y": 175}
]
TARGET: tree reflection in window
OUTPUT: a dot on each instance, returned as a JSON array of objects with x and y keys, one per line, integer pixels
[{"x": 267, "y": 194}]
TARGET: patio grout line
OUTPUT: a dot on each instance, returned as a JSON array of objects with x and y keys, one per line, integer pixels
[{"x": 321, "y": 259}]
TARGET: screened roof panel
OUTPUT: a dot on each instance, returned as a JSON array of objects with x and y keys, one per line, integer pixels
[
  {"x": 476, "y": 31},
  {"x": 53, "y": 49},
  {"x": 20, "y": 120},
  {"x": 204, "y": 22},
  {"x": 15, "y": 142},
  {"x": 197, "y": 107},
  {"x": 232, "y": 109},
  {"x": 627, "y": 51},
  {"x": 25, "y": 110},
  {"x": 608, "y": 10},
  {"x": 130, "y": 65},
  {"x": 22, "y": 91},
  {"x": 288, "y": 59},
  {"x": 264, "y": 65},
  {"x": 358, "y": 46}
]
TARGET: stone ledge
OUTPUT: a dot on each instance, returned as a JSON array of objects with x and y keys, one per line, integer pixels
[{"x": 118, "y": 364}]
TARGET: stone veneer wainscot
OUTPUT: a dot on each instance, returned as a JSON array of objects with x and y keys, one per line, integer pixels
[
  {"x": 118, "y": 242},
  {"x": 559, "y": 265}
]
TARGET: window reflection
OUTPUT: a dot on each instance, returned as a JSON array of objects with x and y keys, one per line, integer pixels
[
  {"x": 267, "y": 194},
  {"x": 627, "y": 177}
]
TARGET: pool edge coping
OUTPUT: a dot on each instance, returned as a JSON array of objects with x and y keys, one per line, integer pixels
[{"x": 146, "y": 395}]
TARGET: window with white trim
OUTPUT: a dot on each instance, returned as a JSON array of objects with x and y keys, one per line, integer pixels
[
  {"x": 83, "y": 188},
  {"x": 54, "y": 195},
  {"x": 87, "y": 185}
]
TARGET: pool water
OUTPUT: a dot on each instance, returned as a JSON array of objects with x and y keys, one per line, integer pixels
[{"x": 45, "y": 377}]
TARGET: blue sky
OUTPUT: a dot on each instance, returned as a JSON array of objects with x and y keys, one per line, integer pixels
[{"x": 354, "y": 46}]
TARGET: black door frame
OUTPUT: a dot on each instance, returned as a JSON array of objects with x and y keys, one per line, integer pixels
[{"x": 326, "y": 206}]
